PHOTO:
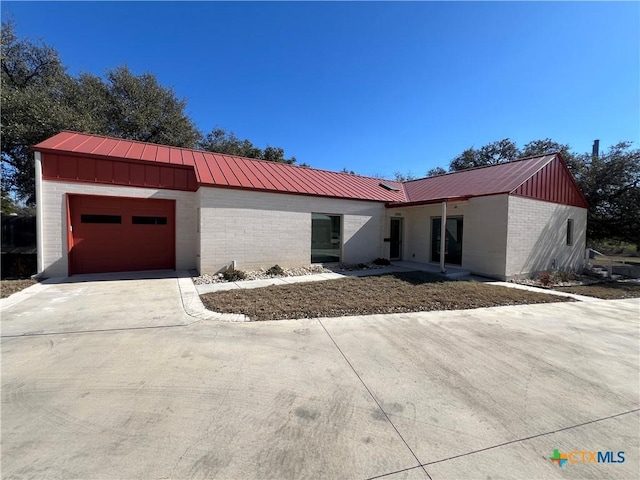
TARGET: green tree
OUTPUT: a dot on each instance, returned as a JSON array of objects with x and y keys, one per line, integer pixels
[
  {"x": 500, "y": 151},
  {"x": 219, "y": 140},
  {"x": 139, "y": 108},
  {"x": 611, "y": 184},
  {"x": 39, "y": 99},
  {"x": 436, "y": 171}
]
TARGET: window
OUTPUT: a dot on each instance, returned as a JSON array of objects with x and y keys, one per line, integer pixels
[
  {"x": 326, "y": 238},
  {"x": 90, "y": 218},
  {"x": 570, "y": 231},
  {"x": 149, "y": 220}
]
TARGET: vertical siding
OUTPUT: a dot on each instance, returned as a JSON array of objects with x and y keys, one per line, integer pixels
[
  {"x": 553, "y": 183},
  {"x": 117, "y": 172}
]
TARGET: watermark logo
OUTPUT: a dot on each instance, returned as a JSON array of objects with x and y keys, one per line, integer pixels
[
  {"x": 584, "y": 456},
  {"x": 559, "y": 458}
]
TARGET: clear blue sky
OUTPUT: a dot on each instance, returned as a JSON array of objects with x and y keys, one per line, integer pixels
[{"x": 374, "y": 87}]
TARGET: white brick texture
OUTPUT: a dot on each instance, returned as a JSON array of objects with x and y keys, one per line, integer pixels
[
  {"x": 54, "y": 252},
  {"x": 259, "y": 229},
  {"x": 537, "y": 237}
]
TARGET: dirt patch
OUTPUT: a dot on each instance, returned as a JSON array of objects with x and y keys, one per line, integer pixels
[
  {"x": 391, "y": 293},
  {"x": 608, "y": 291},
  {"x": 9, "y": 287}
]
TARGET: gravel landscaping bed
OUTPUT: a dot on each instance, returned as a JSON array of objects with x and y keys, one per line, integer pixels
[
  {"x": 389, "y": 293},
  {"x": 606, "y": 290},
  {"x": 9, "y": 287},
  {"x": 289, "y": 272}
]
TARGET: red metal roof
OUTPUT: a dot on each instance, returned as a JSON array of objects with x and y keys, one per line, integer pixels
[
  {"x": 226, "y": 170},
  {"x": 475, "y": 182},
  {"x": 545, "y": 177}
]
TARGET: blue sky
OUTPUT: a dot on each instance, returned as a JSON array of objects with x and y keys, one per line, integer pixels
[{"x": 374, "y": 87}]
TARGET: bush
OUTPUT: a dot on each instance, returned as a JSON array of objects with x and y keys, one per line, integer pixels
[
  {"x": 232, "y": 275},
  {"x": 381, "y": 261},
  {"x": 544, "y": 278},
  {"x": 275, "y": 271}
]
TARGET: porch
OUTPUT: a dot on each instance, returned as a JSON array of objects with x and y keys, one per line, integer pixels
[{"x": 452, "y": 271}]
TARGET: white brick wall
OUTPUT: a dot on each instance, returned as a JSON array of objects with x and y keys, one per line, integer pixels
[
  {"x": 484, "y": 232},
  {"x": 54, "y": 251},
  {"x": 537, "y": 237},
  {"x": 259, "y": 229},
  {"x": 485, "y": 236}
]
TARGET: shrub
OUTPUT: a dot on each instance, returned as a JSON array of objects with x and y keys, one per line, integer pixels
[
  {"x": 275, "y": 271},
  {"x": 544, "y": 278},
  {"x": 563, "y": 276},
  {"x": 381, "y": 261},
  {"x": 232, "y": 275}
]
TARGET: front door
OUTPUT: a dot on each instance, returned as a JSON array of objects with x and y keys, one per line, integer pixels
[
  {"x": 453, "y": 240},
  {"x": 395, "y": 252}
]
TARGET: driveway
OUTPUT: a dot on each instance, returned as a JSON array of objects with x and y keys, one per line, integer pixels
[{"x": 123, "y": 384}]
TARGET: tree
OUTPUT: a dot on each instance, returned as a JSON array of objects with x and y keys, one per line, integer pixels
[
  {"x": 39, "y": 99},
  {"x": 219, "y": 140},
  {"x": 500, "y": 151},
  {"x": 32, "y": 106},
  {"x": 548, "y": 146},
  {"x": 403, "y": 177},
  {"x": 436, "y": 171},
  {"x": 139, "y": 108},
  {"x": 611, "y": 184}
]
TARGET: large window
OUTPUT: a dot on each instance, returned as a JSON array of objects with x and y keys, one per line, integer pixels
[{"x": 326, "y": 238}]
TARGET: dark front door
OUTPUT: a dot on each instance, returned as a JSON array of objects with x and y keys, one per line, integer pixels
[
  {"x": 395, "y": 252},
  {"x": 453, "y": 240}
]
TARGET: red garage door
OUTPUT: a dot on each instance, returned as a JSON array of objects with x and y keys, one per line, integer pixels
[{"x": 115, "y": 234}]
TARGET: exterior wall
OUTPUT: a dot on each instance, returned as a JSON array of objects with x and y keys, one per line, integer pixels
[
  {"x": 259, "y": 229},
  {"x": 54, "y": 257},
  {"x": 537, "y": 237},
  {"x": 484, "y": 236},
  {"x": 416, "y": 241},
  {"x": 484, "y": 249}
]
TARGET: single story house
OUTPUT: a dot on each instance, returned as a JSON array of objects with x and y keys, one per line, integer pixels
[{"x": 107, "y": 204}]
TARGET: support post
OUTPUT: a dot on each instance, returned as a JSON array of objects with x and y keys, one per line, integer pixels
[
  {"x": 443, "y": 235},
  {"x": 39, "y": 214}
]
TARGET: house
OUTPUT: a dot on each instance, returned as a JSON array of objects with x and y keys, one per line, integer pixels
[{"x": 107, "y": 204}]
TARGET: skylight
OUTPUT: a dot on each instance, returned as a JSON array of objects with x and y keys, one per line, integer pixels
[{"x": 389, "y": 187}]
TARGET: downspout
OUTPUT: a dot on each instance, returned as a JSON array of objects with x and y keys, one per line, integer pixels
[
  {"x": 39, "y": 214},
  {"x": 443, "y": 235}
]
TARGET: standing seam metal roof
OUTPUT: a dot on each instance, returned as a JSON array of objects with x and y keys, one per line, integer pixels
[{"x": 220, "y": 170}]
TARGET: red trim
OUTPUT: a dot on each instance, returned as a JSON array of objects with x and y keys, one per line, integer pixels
[
  {"x": 69, "y": 235},
  {"x": 109, "y": 171}
]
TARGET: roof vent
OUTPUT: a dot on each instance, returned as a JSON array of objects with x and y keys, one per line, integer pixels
[{"x": 389, "y": 187}]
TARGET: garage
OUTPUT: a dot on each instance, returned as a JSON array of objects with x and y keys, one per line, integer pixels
[{"x": 115, "y": 234}]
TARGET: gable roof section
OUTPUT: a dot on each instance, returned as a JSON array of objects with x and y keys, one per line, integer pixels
[
  {"x": 227, "y": 171},
  {"x": 543, "y": 178}
]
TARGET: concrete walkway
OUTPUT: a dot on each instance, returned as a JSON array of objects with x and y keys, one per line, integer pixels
[
  {"x": 110, "y": 379},
  {"x": 317, "y": 277}
]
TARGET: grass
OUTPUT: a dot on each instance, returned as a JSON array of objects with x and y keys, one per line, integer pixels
[
  {"x": 608, "y": 291},
  {"x": 9, "y": 287},
  {"x": 391, "y": 293}
]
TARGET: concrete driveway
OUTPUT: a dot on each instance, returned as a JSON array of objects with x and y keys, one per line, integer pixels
[{"x": 110, "y": 379}]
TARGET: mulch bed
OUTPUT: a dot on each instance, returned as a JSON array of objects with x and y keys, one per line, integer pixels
[
  {"x": 9, "y": 287},
  {"x": 607, "y": 291},
  {"x": 391, "y": 293}
]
